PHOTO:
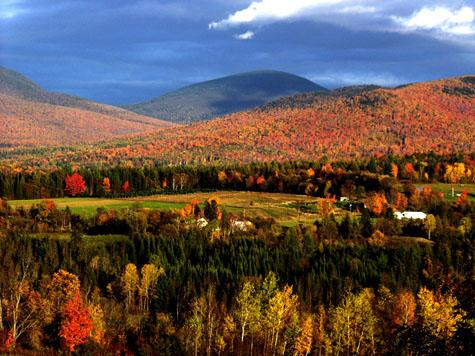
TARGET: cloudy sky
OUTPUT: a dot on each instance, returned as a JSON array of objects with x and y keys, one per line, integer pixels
[{"x": 124, "y": 51}]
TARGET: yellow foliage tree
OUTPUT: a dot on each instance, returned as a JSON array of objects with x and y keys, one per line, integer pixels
[
  {"x": 130, "y": 283},
  {"x": 303, "y": 344},
  {"x": 440, "y": 314}
]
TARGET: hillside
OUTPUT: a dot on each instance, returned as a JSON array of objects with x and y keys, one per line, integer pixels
[
  {"x": 34, "y": 116},
  {"x": 436, "y": 116},
  {"x": 223, "y": 96}
]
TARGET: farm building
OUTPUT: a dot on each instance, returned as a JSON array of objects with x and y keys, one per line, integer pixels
[{"x": 410, "y": 215}]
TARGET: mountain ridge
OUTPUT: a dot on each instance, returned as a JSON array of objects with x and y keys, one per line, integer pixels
[
  {"x": 423, "y": 117},
  {"x": 212, "y": 98}
]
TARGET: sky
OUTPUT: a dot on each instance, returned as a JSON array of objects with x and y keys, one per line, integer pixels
[{"x": 127, "y": 51}]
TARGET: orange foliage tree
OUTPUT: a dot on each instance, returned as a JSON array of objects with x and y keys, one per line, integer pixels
[
  {"x": 106, "y": 184},
  {"x": 404, "y": 309},
  {"x": 394, "y": 170},
  {"x": 377, "y": 203}
]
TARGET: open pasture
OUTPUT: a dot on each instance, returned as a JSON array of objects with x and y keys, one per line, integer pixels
[
  {"x": 446, "y": 188},
  {"x": 285, "y": 208}
]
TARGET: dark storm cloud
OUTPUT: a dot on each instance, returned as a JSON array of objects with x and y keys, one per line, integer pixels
[{"x": 127, "y": 51}]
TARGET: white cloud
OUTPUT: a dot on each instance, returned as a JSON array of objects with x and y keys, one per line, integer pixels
[
  {"x": 456, "y": 22},
  {"x": 248, "y": 35},
  {"x": 271, "y": 10},
  {"x": 430, "y": 16},
  {"x": 11, "y": 9}
]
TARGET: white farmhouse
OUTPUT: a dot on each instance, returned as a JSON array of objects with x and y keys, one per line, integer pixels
[
  {"x": 201, "y": 223},
  {"x": 416, "y": 215}
]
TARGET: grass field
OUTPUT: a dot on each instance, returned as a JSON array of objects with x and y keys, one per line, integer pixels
[
  {"x": 447, "y": 189},
  {"x": 282, "y": 207},
  {"x": 287, "y": 209}
]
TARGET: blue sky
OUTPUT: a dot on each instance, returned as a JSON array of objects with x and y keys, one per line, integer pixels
[{"x": 125, "y": 51}]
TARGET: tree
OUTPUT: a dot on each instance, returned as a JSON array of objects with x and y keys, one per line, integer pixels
[
  {"x": 106, "y": 185},
  {"x": 98, "y": 324},
  {"x": 377, "y": 238},
  {"x": 279, "y": 312},
  {"x": 322, "y": 339},
  {"x": 354, "y": 324},
  {"x": 430, "y": 224},
  {"x": 462, "y": 200},
  {"x": 377, "y": 203},
  {"x": 400, "y": 202},
  {"x": 440, "y": 314},
  {"x": 150, "y": 274},
  {"x": 130, "y": 283},
  {"x": 125, "y": 187},
  {"x": 465, "y": 226},
  {"x": 23, "y": 307},
  {"x": 211, "y": 210},
  {"x": 222, "y": 178},
  {"x": 409, "y": 168},
  {"x": 454, "y": 173},
  {"x": 303, "y": 344},
  {"x": 394, "y": 170},
  {"x": 77, "y": 323},
  {"x": 404, "y": 309},
  {"x": 247, "y": 309},
  {"x": 75, "y": 184},
  {"x": 62, "y": 288}
]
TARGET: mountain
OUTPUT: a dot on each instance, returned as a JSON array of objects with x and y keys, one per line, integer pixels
[
  {"x": 32, "y": 115},
  {"x": 436, "y": 116},
  {"x": 222, "y": 96}
]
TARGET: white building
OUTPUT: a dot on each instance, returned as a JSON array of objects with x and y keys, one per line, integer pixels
[
  {"x": 410, "y": 215},
  {"x": 201, "y": 223}
]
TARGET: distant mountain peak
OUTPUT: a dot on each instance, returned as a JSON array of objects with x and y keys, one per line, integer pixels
[{"x": 225, "y": 95}]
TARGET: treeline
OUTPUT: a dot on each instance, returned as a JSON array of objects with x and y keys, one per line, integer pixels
[
  {"x": 167, "y": 285},
  {"x": 322, "y": 178}
]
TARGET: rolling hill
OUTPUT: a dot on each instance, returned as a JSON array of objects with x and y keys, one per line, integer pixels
[
  {"x": 222, "y": 96},
  {"x": 31, "y": 115},
  {"x": 436, "y": 116}
]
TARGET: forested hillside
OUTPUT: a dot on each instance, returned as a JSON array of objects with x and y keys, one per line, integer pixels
[
  {"x": 436, "y": 116},
  {"x": 31, "y": 115},
  {"x": 27, "y": 123}
]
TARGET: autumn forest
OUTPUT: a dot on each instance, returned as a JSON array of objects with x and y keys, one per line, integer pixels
[{"x": 333, "y": 222}]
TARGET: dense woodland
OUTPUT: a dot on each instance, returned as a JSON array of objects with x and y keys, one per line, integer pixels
[
  {"x": 160, "y": 282},
  {"x": 323, "y": 178}
]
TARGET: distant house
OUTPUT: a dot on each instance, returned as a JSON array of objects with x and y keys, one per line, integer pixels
[
  {"x": 241, "y": 225},
  {"x": 415, "y": 215},
  {"x": 201, "y": 223},
  {"x": 342, "y": 199}
]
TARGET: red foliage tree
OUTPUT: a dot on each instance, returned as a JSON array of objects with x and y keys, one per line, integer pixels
[
  {"x": 126, "y": 187},
  {"x": 77, "y": 323},
  {"x": 462, "y": 200},
  {"x": 75, "y": 184}
]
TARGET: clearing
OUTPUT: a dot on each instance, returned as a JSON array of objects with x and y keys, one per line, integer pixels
[{"x": 287, "y": 209}]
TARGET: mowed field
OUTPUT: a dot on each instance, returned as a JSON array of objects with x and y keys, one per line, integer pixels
[
  {"x": 287, "y": 209},
  {"x": 447, "y": 189}
]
